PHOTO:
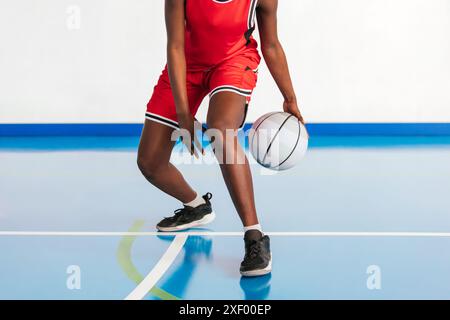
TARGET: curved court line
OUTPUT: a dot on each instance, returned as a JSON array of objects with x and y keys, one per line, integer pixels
[
  {"x": 159, "y": 269},
  {"x": 224, "y": 234},
  {"x": 126, "y": 263}
]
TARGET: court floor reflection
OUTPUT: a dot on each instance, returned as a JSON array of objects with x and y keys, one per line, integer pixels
[
  {"x": 195, "y": 249},
  {"x": 256, "y": 288}
]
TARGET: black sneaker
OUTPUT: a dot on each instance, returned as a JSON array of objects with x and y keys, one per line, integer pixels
[
  {"x": 258, "y": 258},
  {"x": 189, "y": 217}
]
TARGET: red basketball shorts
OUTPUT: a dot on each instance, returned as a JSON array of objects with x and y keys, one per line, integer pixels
[{"x": 238, "y": 75}]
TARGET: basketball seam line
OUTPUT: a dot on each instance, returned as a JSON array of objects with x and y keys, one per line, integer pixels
[
  {"x": 256, "y": 129},
  {"x": 276, "y": 135},
  {"x": 296, "y": 144}
]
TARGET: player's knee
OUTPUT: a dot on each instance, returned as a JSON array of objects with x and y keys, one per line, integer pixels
[
  {"x": 149, "y": 166},
  {"x": 224, "y": 130}
]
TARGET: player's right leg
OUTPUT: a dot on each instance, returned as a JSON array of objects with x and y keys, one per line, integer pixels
[
  {"x": 154, "y": 153},
  {"x": 155, "y": 150}
]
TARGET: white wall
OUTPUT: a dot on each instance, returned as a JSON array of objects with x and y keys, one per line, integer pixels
[{"x": 351, "y": 60}]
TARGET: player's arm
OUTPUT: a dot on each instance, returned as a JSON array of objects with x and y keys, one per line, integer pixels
[
  {"x": 176, "y": 63},
  {"x": 274, "y": 54},
  {"x": 176, "y": 60}
]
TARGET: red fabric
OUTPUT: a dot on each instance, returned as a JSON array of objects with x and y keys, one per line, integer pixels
[
  {"x": 215, "y": 31},
  {"x": 236, "y": 75},
  {"x": 221, "y": 54}
]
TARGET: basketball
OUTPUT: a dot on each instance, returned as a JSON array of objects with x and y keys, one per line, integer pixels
[{"x": 278, "y": 141}]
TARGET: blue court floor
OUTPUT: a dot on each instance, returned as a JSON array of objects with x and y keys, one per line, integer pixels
[{"x": 359, "y": 218}]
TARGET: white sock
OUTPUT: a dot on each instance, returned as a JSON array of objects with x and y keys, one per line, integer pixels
[
  {"x": 196, "y": 202},
  {"x": 254, "y": 227}
]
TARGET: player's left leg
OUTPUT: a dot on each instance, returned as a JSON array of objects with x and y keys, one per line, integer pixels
[{"x": 226, "y": 112}]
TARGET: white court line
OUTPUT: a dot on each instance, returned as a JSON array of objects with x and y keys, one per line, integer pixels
[
  {"x": 223, "y": 234},
  {"x": 158, "y": 271},
  {"x": 180, "y": 239}
]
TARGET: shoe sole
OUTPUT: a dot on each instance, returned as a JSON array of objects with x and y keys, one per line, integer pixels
[
  {"x": 258, "y": 272},
  {"x": 203, "y": 221}
]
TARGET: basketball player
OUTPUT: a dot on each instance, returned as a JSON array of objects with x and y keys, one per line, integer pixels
[{"x": 211, "y": 51}]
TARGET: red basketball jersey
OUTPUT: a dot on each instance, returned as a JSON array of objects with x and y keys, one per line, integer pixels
[{"x": 217, "y": 30}]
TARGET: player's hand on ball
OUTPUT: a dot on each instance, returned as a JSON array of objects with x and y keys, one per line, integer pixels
[
  {"x": 187, "y": 122},
  {"x": 292, "y": 108}
]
